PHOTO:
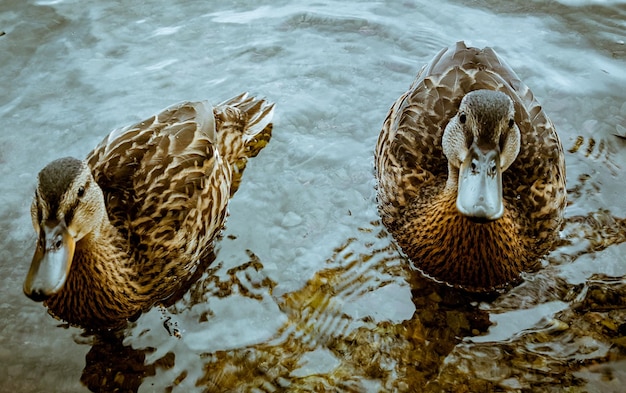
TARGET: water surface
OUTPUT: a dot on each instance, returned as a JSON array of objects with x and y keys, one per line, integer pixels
[{"x": 308, "y": 291}]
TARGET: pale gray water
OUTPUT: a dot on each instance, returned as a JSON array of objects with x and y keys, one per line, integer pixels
[{"x": 73, "y": 70}]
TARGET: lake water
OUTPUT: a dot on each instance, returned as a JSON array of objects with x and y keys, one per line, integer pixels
[{"x": 308, "y": 292}]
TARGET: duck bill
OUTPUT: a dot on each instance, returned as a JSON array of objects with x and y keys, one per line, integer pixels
[
  {"x": 479, "y": 194},
  {"x": 51, "y": 262}
]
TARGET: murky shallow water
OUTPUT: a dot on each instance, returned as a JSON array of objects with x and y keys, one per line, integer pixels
[{"x": 308, "y": 292}]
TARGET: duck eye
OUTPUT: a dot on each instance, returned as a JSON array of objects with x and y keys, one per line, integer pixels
[
  {"x": 511, "y": 123},
  {"x": 462, "y": 118},
  {"x": 81, "y": 191}
]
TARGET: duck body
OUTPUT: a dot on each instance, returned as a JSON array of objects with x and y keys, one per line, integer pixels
[
  {"x": 471, "y": 172},
  {"x": 127, "y": 227}
]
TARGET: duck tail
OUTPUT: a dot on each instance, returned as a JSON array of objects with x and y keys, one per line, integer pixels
[
  {"x": 258, "y": 128},
  {"x": 253, "y": 118}
]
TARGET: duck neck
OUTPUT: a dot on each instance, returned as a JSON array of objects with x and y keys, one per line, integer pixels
[
  {"x": 101, "y": 289},
  {"x": 448, "y": 246},
  {"x": 452, "y": 183}
]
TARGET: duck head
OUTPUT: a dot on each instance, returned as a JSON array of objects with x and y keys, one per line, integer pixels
[
  {"x": 67, "y": 206},
  {"x": 480, "y": 142}
]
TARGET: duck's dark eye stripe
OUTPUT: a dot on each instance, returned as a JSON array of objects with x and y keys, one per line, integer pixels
[
  {"x": 462, "y": 118},
  {"x": 502, "y": 141},
  {"x": 469, "y": 138},
  {"x": 69, "y": 214},
  {"x": 39, "y": 213},
  {"x": 37, "y": 205}
]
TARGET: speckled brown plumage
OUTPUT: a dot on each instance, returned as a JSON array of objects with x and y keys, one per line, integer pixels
[
  {"x": 165, "y": 183},
  {"x": 412, "y": 171}
]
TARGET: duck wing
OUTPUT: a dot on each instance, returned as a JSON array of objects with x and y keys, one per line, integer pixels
[
  {"x": 167, "y": 180},
  {"x": 162, "y": 175}
]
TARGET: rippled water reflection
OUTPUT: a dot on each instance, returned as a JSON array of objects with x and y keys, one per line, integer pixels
[{"x": 308, "y": 292}]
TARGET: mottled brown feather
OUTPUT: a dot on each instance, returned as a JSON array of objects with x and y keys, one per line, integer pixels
[
  {"x": 166, "y": 183},
  {"x": 412, "y": 172}
]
